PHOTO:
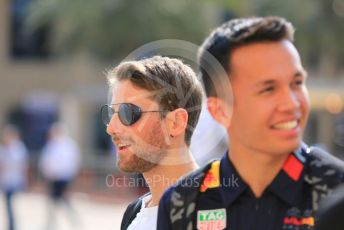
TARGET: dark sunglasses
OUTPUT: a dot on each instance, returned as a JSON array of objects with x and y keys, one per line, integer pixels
[{"x": 128, "y": 113}]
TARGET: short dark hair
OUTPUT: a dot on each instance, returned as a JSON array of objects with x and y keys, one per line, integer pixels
[
  {"x": 176, "y": 82},
  {"x": 235, "y": 33}
]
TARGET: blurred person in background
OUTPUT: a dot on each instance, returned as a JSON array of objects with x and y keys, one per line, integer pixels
[
  {"x": 208, "y": 131},
  {"x": 269, "y": 179},
  {"x": 13, "y": 168},
  {"x": 59, "y": 164},
  {"x": 154, "y": 109}
]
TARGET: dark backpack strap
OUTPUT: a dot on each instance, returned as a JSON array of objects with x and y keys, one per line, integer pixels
[
  {"x": 131, "y": 212},
  {"x": 183, "y": 199},
  {"x": 324, "y": 173}
]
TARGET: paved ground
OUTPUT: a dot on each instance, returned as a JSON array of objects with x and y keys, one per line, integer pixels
[{"x": 31, "y": 210}]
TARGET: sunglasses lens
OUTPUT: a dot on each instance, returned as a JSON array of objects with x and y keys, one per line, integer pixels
[
  {"x": 106, "y": 114},
  {"x": 129, "y": 114}
]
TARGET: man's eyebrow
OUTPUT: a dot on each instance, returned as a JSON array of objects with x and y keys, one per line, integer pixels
[
  {"x": 301, "y": 73},
  {"x": 265, "y": 83}
]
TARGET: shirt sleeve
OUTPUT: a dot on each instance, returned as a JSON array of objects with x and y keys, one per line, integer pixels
[{"x": 164, "y": 222}]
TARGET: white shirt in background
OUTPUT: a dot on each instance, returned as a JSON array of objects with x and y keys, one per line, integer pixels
[
  {"x": 209, "y": 139},
  {"x": 13, "y": 166},
  {"x": 60, "y": 159}
]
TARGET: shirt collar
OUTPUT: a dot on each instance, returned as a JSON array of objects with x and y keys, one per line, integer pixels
[{"x": 288, "y": 183}]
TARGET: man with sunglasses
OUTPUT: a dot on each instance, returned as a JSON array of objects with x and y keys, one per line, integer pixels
[
  {"x": 155, "y": 105},
  {"x": 269, "y": 179}
]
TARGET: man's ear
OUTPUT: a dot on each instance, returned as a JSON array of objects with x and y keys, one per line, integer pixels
[
  {"x": 220, "y": 110},
  {"x": 177, "y": 122}
]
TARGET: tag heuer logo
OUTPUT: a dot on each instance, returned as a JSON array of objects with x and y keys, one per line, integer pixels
[{"x": 211, "y": 219}]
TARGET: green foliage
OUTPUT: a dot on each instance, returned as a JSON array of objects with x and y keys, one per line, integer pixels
[{"x": 113, "y": 28}]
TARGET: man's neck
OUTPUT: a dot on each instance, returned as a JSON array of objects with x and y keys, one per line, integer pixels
[
  {"x": 163, "y": 176},
  {"x": 257, "y": 169}
]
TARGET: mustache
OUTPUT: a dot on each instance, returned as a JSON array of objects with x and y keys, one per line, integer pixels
[{"x": 115, "y": 138}]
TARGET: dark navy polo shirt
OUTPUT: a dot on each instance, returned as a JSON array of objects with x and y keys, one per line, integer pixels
[
  {"x": 285, "y": 203},
  {"x": 246, "y": 212}
]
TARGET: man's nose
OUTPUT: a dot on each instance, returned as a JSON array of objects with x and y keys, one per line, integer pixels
[
  {"x": 115, "y": 126},
  {"x": 289, "y": 100}
]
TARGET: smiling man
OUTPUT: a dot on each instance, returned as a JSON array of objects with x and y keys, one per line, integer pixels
[
  {"x": 269, "y": 179},
  {"x": 155, "y": 106}
]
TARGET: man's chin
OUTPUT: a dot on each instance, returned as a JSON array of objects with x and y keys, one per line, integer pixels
[
  {"x": 138, "y": 166},
  {"x": 292, "y": 147}
]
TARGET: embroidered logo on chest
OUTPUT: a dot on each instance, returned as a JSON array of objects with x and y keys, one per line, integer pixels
[{"x": 295, "y": 219}]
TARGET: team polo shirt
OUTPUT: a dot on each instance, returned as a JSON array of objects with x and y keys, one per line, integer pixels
[{"x": 226, "y": 202}]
